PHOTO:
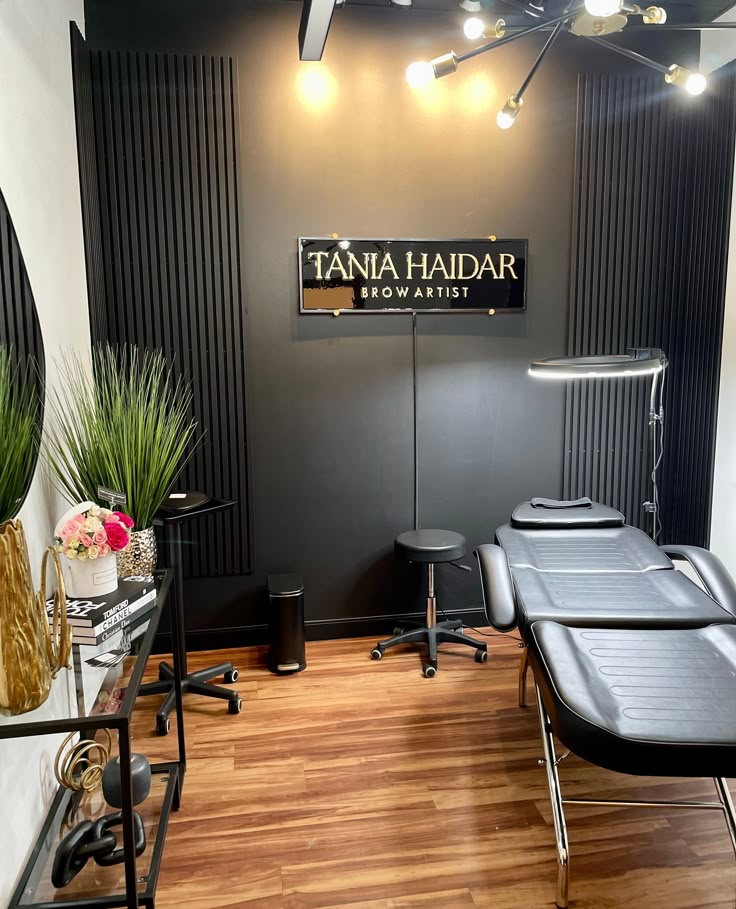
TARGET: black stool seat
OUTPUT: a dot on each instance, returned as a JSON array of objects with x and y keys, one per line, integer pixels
[
  {"x": 654, "y": 703},
  {"x": 430, "y": 546}
]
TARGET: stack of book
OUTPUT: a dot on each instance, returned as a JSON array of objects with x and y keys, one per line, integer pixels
[{"x": 95, "y": 620}]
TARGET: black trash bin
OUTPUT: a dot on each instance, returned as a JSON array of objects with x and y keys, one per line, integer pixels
[{"x": 286, "y": 620}]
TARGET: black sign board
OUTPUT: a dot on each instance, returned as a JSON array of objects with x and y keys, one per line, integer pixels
[{"x": 385, "y": 276}]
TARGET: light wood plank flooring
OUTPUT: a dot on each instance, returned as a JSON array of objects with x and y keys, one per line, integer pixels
[{"x": 363, "y": 785}]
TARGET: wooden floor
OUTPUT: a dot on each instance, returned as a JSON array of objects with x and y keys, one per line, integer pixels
[{"x": 364, "y": 785}]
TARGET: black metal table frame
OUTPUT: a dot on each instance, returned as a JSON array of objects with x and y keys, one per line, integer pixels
[{"x": 120, "y": 722}]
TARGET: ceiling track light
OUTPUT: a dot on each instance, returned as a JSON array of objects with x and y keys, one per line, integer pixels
[
  {"x": 471, "y": 6},
  {"x": 401, "y": 4},
  {"x": 593, "y": 20}
]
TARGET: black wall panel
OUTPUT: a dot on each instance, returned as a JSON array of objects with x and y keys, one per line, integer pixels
[
  {"x": 651, "y": 215},
  {"x": 158, "y": 146}
]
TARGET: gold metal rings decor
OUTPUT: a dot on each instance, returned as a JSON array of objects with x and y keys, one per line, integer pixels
[{"x": 74, "y": 767}]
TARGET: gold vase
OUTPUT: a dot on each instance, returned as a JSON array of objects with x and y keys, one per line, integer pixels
[
  {"x": 139, "y": 557},
  {"x": 28, "y": 655}
]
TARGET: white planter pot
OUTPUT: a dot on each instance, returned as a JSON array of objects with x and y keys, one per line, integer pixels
[{"x": 91, "y": 577}]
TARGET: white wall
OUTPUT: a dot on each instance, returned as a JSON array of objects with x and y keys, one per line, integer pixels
[
  {"x": 40, "y": 181},
  {"x": 723, "y": 526},
  {"x": 718, "y": 47}
]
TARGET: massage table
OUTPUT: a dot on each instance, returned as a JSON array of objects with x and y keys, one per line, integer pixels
[{"x": 634, "y": 663}]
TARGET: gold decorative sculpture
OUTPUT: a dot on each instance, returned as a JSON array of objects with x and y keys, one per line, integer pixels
[{"x": 30, "y": 654}]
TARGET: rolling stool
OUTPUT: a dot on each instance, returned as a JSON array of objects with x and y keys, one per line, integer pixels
[
  {"x": 181, "y": 507},
  {"x": 430, "y": 547}
]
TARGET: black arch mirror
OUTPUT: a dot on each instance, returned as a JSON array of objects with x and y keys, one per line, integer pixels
[{"x": 22, "y": 371}]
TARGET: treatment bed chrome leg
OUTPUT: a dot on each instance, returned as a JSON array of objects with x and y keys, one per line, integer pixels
[
  {"x": 726, "y": 801},
  {"x": 523, "y": 670},
  {"x": 558, "y": 813}
]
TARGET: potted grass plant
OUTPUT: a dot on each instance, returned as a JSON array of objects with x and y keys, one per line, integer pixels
[
  {"x": 25, "y": 670},
  {"x": 122, "y": 422}
]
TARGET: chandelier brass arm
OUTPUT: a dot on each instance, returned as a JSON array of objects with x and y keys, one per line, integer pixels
[{"x": 594, "y": 20}]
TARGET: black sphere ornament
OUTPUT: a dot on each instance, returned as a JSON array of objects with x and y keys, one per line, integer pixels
[{"x": 140, "y": 774}]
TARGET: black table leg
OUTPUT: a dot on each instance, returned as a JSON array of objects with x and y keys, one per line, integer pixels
[
  {"x": 179, "y": 651},
  {"x": 126, "y": 783}
]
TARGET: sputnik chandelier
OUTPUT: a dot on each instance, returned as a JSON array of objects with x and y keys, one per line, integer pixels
[{"x": 593, "y": 20}]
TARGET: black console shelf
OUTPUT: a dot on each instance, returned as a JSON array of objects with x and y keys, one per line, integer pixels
[{"x": 85, "y": 700}]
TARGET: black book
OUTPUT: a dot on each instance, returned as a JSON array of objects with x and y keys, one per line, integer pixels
[
  {"x": 120, "y": 627},
  {"x": 92, "y": 613}
]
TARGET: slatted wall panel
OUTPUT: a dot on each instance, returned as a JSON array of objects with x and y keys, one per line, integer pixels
[
  {"x": 165, "y": 172},
  {"x": 88, "y": 179},
  {"x": 653, "y": 177},
  {"x": 699, "y": 327}
]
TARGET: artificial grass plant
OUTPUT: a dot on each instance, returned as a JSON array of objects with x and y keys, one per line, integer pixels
[{"x": 124, "y": 423}]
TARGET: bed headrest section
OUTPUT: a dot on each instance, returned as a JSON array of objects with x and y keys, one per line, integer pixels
[
  {"x": 581, "y": 549},
  {"x": 561, "y": 514}
]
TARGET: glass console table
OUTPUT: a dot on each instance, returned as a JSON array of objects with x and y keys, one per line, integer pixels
[{"x": 90, "y": 697}]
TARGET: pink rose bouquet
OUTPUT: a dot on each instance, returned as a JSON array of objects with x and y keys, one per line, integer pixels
[{"x": 93, "y": 533}]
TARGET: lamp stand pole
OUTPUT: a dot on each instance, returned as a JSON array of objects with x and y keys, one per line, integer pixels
[
  {"x": 416, "y": 417},
  {"x": 656, "y": 425}
]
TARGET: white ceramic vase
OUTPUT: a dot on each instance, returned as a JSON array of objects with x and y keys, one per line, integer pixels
[{"x": 91, "y": 577}]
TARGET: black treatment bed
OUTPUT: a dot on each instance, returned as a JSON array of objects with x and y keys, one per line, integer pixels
[{"x": 634, "y": 663}]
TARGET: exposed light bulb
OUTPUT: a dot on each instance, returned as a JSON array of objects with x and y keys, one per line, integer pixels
[
  {"x": 473, "y": 28},
  {"x": 602, "y": 8},
  {"x": 693, "y": 83},
  {"x": 509, "y": 112},
  {"x": 471, "y": 6},
  {"x": 696, "y": 84},
  {"x": 419, "y": 74},
  {"x": 344, "y": 244},
  {"x": 654, "y": 15}
]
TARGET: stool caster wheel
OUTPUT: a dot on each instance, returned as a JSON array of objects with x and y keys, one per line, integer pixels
[
  {"x": 163, "y": 725},
  {"x": 397, "y": 631},
  {"x": 234, "y": 705},
  {"x": 376, "y": 654},
  {"x": 429, "y": 671},
  {"x": 231, "y": 676},
  {"x": 481, "y": 656},
  {"x": 162, "y": 675}
]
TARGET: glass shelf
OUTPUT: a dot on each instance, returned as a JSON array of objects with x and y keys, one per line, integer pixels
[
  {"x": 89, "y": 696},
  {"x": 106, "y": 886}
]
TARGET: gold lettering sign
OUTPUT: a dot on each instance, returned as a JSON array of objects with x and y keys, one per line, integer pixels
[{"x": 357, "y": 275}]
